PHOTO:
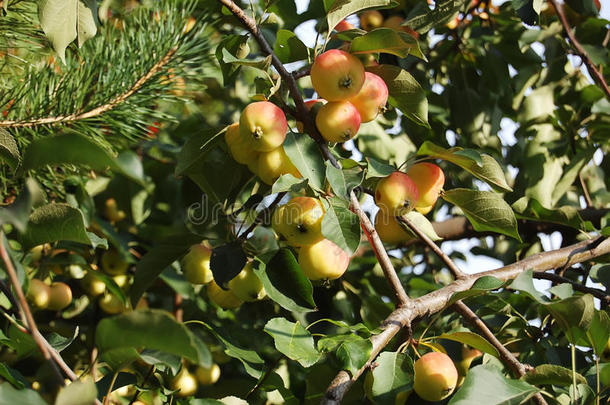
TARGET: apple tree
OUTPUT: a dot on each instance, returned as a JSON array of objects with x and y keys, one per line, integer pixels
[{"x": 303, "y": 202}]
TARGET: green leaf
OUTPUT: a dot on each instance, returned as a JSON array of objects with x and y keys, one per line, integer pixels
[
  {"x": 293, "y": 340},
  {"x": 79, "y": 392},
  {"x": 487, "y": 385},
  {"x": 56, "y": 222},
  {"x": 12, "y": 376},
  {"x": 486, "y": 211},
  {"x": 385, "y": 40},
  {"x": 551, "y": 374},
  {"x": 289, "y": 48},
  {"x": 524, "y": 282},
  {"x": 423, "y": 224},
  {"x": 226, "y": 262},
  {"x": 287, "y": 182},
  {"x": 305, "y": 155},
  {"x": 11, "y": 396},
  {"x": 18, "y": 213},
  {"x": 285, "y": 282},
  {"x": 480, "y": 287},
  {"x": 72, "y": 148},
  {"x": 9, "y": 152},
  {"x": 599, "y": 331},
  {"x": 64, "y": 20},
  {"x": 340, "y": 225},
  {"x": 376, "y": 168},
  {"x": 405, "y": 93},
  {"x": 195, "y": 148},
  {"x": 158, "y": 259},
  {"x": 531, "y": 209},
  {"x": 352, "y": 351},
  {"x": 473, "y": 340},
  {"x": 336, "y": 179},
  {"x": 261, "y": 63},
  {"x": 340, "y": 9},
  {"x": 443, "y": 12},
  {"x": 574, "y": 315},
  {"x": 481, "y": 166},
  {"x": 392, "y": 375},
  {"x": 150, "y": 329}
]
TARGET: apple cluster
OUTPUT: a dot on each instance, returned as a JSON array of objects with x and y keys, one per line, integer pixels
[
  {"x": 349, "y": 95},
  {"x": 299, "y": 222},
  {"x": 399, "y": 193},
  {"x": 257, "y": 141},
  {"x": 246, "y": 286},
  {"x": 186, "y": 382}
]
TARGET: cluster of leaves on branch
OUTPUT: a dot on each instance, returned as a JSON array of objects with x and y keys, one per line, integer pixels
[{"x": 117, "y": 161}]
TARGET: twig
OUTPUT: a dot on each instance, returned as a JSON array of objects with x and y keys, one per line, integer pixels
[
  {"x": 382, "y": 256},
  {"x": 98, "y": 110},
  {"x": 263, "y": 215},
  {"x": 593, "y": 71},
  {"x": 455, "y": 270},
  {"x": 518, "y": 368},
  {"x": 438, "y": 300},
  {"x": 585, "y": 190},
  {"x": 601, "y": 294},
  {"x": 26, "y": 313},
  {"x": 137, "y": 393}
]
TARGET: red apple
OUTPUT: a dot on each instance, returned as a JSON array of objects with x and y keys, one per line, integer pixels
[
  {"x": 396, "y": 194},
  {"x": 429, "y": 179},
  {"x": 371, "y": 98},
  {"x": 435, "y": 376},
  {"x": 337, "y": 75}
]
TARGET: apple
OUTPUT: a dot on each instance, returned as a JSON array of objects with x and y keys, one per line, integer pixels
[
  {"x": 184, "y": 383},
  {"x": 273, "y": 164},
  {"x": 323, "y": 260},
  {"x": 313, "y": 106},
  {"x": 246, "y": 285},
  {"x": 111, "y": 304},
  {"x": 92, "y": 285},
  {"x": 371, "y": 99},
  {"x": 468, "y": 356},
  {"x": 113, "y": 263},
  {"x": 60, "y": 296},
  {"x": 196, "y": 264},
  {"x": 207, "y": 376},
  {"x": 344, "y": 26},
  {"x": 112, "y": 211},
  {"x": 222, "y": 298},
  {"x": 337, "y": 75},
  {"x": 435, "y": 376},
  {"x": 121, "y": 280},
  {"x": 429, "y": 179},
  {"x": 389, "y": 230},
  {"x": 338, "y": 121},
  {"x": 39, "y": 293},
  {"x": 395, "y": 22},
  {"x": 238, "y": 146},
  {"x": 263, "y": 125},
  {"x": 396, "y": 194},
  {"x": 299, "y": 221},
  {"x": 371, "y": 19}
]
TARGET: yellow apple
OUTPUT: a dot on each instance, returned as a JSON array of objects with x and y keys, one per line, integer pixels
[
  {"x": 389, "y": 230},
  {"x": 429, "y": 179},
  {"x": 39, "y": 293},
  {"x": 337, "y": 75},
  {"x": 185, "y": 383},
  {"x": 92, "y": 285},
  {"x": 113, "y": 263},
  {"x": 338, "y": 121},
  {"x": 222, "y": 298},
  {"x": 60, "y": 296},
  {"x": 435, "y": 376},
  {"x": 207, "y": 376},
  {"x": 241, "y": 151},
  {"x": 111, "y": 304},
  {"x": 396, "y": 194},
  {"x": 273, "y": 164},
  {"x": 372, "y": 97},
  {"x": 196, "y": 264},
  {"x": 263, "y": 125},
  {"x": 468, "y": 356},
  {"x": 323, "y": 260},
  {"x": 246, "y": 285},
  {"x": 299, "y": 221},
  {"x": 371, "y": 19}
]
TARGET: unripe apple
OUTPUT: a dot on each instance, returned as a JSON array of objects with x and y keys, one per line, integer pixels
[
  {"x": 338, "y": 121},
  {"x": 435, "y": 376},
  {"x": 238, "y": 146},
  {"x": 207, "y": 376},
  {"x": 60, "y": 296},
  {"x": 389, "y": 230},
  {"x": 222, "y": 298},
  {"x": 92, "y": 285},
  {"x": 122, "y": 280},
  {"x": 273, "y": 164},
  {"x": 263, "y": 125},
  {"x": 113, "y": 263},
  {"x": 344, "y": 26},
  {"x": 468, "y": 356},
  {"x": 112, "y": 211},
  {"x": 111, "y": 304},
  {"x": 396, "y": 194},
  {"x": 371, "y": 19},
  {"x": 429, "y": 179},
  {"x": 313, "y": 106},
  {"x": 246, "y": 285},
  {"x": 39, "y": 293},
  {"x": 196, "y": 264},
  {"x": 299, "y": 221},
  {"x": 323, "y": 260},
  {"x": 185, "y": 382},
  {"x": 371, "y": 98},
  {"x": 337, "y": 75}
]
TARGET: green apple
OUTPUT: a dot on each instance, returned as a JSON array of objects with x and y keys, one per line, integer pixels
[
  {"x": 207, "y": 376},
  {"x": 196, "y": 264},
  {"x": 113, "y": 263},
  {"x": 92, "y": 285},
  {"x": 39, "y": 293},
  {"x": 111, "y": 304},
  {"x": 435, "y": 376},
  {"x": 60, "y": 296},
  {"x": 185, "y": 383}
]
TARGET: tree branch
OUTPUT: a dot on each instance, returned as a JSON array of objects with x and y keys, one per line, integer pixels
[
  {"x": 597, "y": 293},
  {"x": 593, "y": 71},
  {"x": 438, "y": 300}
]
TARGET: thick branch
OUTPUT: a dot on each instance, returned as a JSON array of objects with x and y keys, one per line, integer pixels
[
  {"x": 98, "y": 110},
  {"x": 593, "y": 70},
  {"x": 437, "y": 300}
]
